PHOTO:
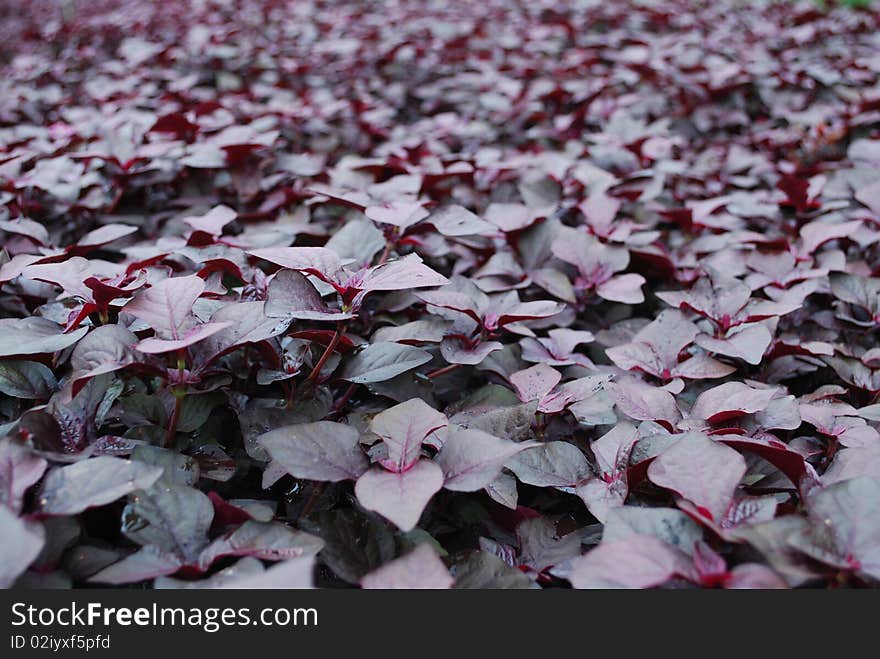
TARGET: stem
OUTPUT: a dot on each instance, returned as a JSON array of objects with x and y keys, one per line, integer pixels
[
  {"x": 289, "y": 393},
  {"x": 317, "y": 490},
  {"x": 327, "y": 352},
  {"x": 385, "y": 253},
  {"x": 442, "y": 371},
  {"x": 175, "y": 417},
  {"x": 342, "y": 400},
  {"x": 179, "y": 395}
]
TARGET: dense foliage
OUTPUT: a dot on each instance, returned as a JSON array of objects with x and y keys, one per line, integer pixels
[{"x": 429, "y": 294}]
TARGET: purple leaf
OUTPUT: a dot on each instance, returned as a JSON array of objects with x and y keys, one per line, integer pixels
[
  {"x": 19, "y": 470},
  {"x": 845, "y": 528},
  {"x": 379, "y": 362},
  {"x": 403, "y": 429},
  {"x": 213, "y": 221},
  {"x": 291, "y": 295},
  {"x": 318, "y": 261},
  {"x": 730, "y": 400},
  {"x": 400, "y": 496},
  {"x": 34, "y": 336},
  {"x": 643, "y": 402},
  {"x": 535, "y": 382},
  {"x": 320, "y": 451},
  {"x": 553, "y": 464},
  {"x": 268, "y": 541},
  {"x": 105, "y": 349},
  {"x": 93, "y": 482},
  {"x": 183, "y": 339},
  {"x": 702, "y": 471},
  {"x": 174, "y": 518},
  {"x": 146, "y": 563},
  {"x": 472, "y": 459},
  {"x": 23, "y": 541},
  {"x": 636, "y": 561},
  {"x": 167, "y": 305},
  {"x": 421, "y": 569}
]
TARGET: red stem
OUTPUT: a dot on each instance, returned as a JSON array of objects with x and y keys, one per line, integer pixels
[
  {"x": 327, "y": 352},
  {"x": 442, "y": 371},
  {"x": 317, "y": 490},
  {"x": 172, "y": 424}
]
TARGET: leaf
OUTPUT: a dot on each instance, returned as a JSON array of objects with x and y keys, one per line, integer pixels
[
  {"x": 29, "y": 380},
  {"x": 401, "y": 214},
  {"x": 846, "y": 525},
  {"x": 291, "y": 295},
  {"x": 643, "y": 402},
  {"x": 93, "y": 482},
  {"x": 717, "y": 297},
  {"x": 213, "y": 221},
  {"x": 147, "y": 562},
  {"x": 535, "y": 382},
  {"x": 167, "y": 305},
  {"x": 296, "y": 573},
  {"x": 320, "y": 451},
  {"x": 196, "y": 409},
  {"x": 358, "y": 240},
  {"x": 553, "y": 464},
  {"x": 404, "y": 274},
  {"x": 541, "y": 546},
  {"x": 420, "y": 569},
  {"x": 245, "y": 324},
  {"x": 730, "y": 400},
  {"x": 483, "y": 570},
  {"x": 513, "y": 422},
  {"x": 636, "y": 561},
  {"x": 702, "y": 471},
  {"x": 20, "y": 468},
  {"x": 355, "y": 542},
  {"x": 318, "y": 261},
  {"x": 175, "y": 518},
  {"x": 105, "y": 349},
  {"x": 379, "y": 362},
  {"x": 472, "y": 459},
  {"x": 154, "y": 346},
  {"x": 23, "y": 541},
  {"x": 403, "y": 428},
  {"x": 623, "y": 288},
  {"x": 671, "y": 526},
  {"x": 454, "y": 220},
  {"x": 400, "y": 497},
  {"x": 35, "y": 336},
  {"x": 747, "y": 342},
  {"x": 268, "y": 541}
]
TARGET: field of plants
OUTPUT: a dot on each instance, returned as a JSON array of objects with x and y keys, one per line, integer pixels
[{"x": 432, "y": 294}]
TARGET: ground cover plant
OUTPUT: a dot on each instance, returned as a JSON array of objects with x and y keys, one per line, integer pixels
[{"x": 430, "y": 294}]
